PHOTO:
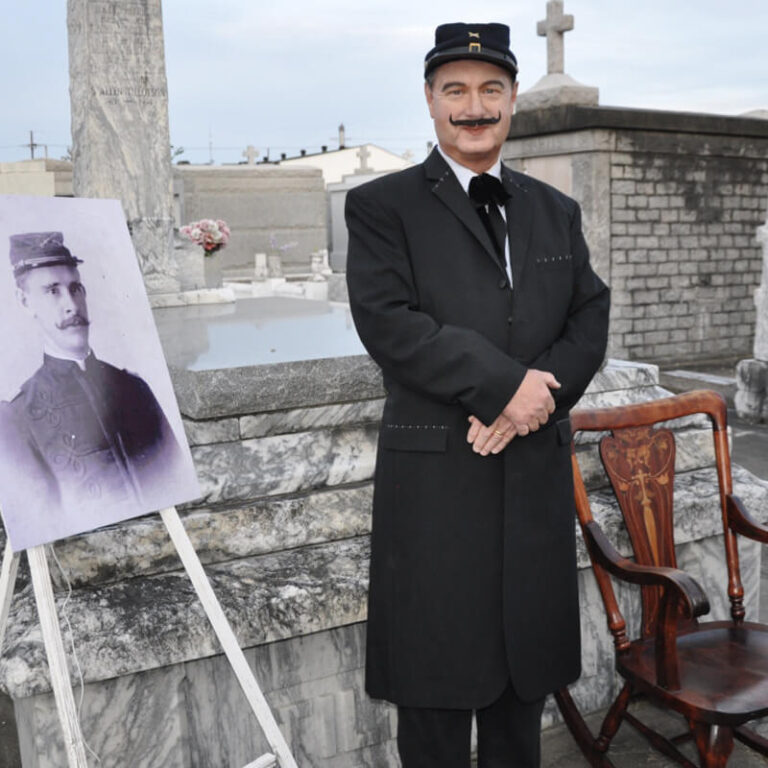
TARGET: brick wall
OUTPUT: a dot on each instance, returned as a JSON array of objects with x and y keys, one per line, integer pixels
[
  {"x": 671, "y": 202},
  {"x": 684, "y": 258}
]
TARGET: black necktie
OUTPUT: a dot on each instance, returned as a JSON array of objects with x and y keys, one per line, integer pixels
[{"x": 487, "y": 193}]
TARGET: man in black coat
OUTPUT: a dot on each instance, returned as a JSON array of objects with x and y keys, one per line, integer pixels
[
  {"x": 470, "y": 286},
  {"x": 83, "y": 443}
]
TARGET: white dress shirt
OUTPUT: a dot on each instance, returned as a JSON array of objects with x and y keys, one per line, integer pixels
[{"x": 465, "y": 175}]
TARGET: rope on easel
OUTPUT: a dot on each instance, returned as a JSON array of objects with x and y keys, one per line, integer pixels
[{"x": 73, "y": 650}]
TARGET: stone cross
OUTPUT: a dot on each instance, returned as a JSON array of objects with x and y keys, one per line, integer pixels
[
  {"x": 363, "y": 153},
  {"x": 250, "y": 152},
  {"x": 553, "y": 28}
]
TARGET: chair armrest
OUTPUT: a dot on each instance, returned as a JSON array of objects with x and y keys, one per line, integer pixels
[
  {"x": 742, "y": 522},
  {"x": 691, "y": 595}
]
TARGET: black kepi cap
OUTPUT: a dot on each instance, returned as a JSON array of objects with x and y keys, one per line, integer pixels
[
  {"x": 486, "y": 42},
  {"x": 39, "y": 249}
]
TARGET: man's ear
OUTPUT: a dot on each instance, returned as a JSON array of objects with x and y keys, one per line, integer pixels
[
  {"x": 21, "y": 296},
  {"x": 430, "y": 97},
  {"x": 514, "y": 92}
]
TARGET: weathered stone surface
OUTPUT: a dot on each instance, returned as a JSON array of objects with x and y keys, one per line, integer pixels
[
  {"x": 119, "y": 104},
  {"x": 283, "y": 422},
  {"x": 617, "y": 375},
  {"x": 141, "y": 547},
  {"x": 272, "y": 209},
  {"x": 236, "y": 472},
  {"x": 146, "y": 623},
  {"x": 761, "y": 300},
  {"x": 556, "y": 90},
  {"x": 254, "y": 389},
  {"x": 194, "y": 715},
  {"x": 751, "y": 398},
  {"x": 211, "y": 430}
]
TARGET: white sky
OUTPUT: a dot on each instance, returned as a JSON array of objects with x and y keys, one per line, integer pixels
[{"x": 282, "y": 76}]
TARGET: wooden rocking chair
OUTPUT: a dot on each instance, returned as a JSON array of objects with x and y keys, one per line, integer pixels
[{"x": 715, "y": 674}]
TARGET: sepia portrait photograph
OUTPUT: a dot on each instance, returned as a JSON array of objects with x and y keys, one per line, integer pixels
[{"x": 90, "y": 432}]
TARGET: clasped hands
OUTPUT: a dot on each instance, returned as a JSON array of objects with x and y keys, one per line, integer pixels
[{"x": 528, "y": 410}]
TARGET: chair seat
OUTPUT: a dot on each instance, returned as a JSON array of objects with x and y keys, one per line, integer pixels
[{"x": 723, "y": 671}]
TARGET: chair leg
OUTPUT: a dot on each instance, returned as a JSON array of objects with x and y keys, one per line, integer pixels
[
  {"x": 613, "y": 719},
  {"x": 580, "y": 730},
  {"x": 752, "y": 740},
  {"x": 715, "y": 744}
]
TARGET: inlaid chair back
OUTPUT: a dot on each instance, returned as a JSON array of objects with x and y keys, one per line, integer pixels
[
  {"x": 639, "y": 459},
  {"x": 640, "y": 463}
]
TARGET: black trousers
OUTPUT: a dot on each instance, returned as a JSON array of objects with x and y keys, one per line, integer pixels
[{"x": 507, "y": 735}]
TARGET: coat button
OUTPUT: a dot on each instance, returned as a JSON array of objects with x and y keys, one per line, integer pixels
[
  {"x": 502, "y": 283},
  {"x": 509, "y": 320}
]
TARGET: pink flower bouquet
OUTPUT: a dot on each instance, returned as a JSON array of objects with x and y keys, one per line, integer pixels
[{"x": 212, "y": 234}]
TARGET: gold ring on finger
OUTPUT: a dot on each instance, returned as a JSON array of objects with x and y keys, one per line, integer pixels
[{"x": 496, "y": 432}]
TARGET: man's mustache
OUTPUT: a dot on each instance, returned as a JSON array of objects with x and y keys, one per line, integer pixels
[
  {"x": 70, "y": 322},
  {"x": 475, "y": 123}
]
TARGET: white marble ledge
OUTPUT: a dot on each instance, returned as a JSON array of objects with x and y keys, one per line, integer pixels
[
  {"x": 141, "y": 547},
  {"x": 146, "y": 623},
  {"x": 696, "y": 509},
  {"x": 623, "y": 374},
  {"x": 238, "y": 472}
]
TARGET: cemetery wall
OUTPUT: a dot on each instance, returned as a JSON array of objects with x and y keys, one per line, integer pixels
[
  {"x": 285, "y": 455},
  {"x": 671, "y": 206},
  {"x": 268, "y": 208}
]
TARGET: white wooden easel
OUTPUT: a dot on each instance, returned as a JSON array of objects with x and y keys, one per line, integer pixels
[{"x": 57, "y": 660}]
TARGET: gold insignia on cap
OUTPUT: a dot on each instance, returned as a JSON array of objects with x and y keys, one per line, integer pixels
[
  {"x": 475, "y": 47},
  {"x": 474, "y": 34}
]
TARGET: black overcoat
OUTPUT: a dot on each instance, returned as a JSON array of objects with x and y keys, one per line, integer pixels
[{"x": 473, "y": 565}]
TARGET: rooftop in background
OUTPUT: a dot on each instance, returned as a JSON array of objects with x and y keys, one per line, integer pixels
[{"x": 345, "y": 161}]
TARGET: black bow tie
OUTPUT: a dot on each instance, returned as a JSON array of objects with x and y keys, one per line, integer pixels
[{"x": 484, "y": 189}]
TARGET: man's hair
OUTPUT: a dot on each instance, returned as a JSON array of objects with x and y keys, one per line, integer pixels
[{"x": 21, "y": 279}]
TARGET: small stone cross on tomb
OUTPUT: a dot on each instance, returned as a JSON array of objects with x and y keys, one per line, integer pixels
[
  {"x": 363, "y": 153},
  {"x": 251, "y": 153},
  {"x": 554, "y": 28}
]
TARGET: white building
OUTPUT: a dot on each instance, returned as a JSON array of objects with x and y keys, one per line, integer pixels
[{"x": 337, "y": 163}]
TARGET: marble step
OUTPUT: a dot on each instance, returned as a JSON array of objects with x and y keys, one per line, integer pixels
[{"x": 149, "y": 622}]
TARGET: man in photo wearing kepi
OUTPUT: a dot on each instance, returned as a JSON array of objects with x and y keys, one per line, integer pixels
[
  {"x": 471, "y": 287},
  {"x": 82, "y": 436}
]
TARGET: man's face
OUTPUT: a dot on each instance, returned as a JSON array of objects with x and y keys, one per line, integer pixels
[
  {"x": 470, "y": 90},
  {"x": 55, "y": 297}
]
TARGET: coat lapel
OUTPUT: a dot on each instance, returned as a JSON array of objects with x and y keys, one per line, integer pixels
[
  {"x": 447, "y": 188},
  {"x": 519, "y": 223}
]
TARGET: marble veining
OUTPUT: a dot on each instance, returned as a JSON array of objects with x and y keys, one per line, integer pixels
[
  {"x": 281, "y": 464},
  {"x": 300, "y": 419},
  {"x": 145, "y": 623},
  {"x": 142, "y": 547}
]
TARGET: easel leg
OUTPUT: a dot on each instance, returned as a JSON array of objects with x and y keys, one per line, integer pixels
[
  {"x": 57, "y": 660},
  {"x": 226, "y": 636},
  {"x": 7, "y": 580}
]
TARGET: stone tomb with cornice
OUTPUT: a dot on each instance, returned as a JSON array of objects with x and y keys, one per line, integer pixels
[{"x": 285, "y": 452}]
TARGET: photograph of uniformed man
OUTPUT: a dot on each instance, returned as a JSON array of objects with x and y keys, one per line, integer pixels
[{"x": 83, "y": 442}]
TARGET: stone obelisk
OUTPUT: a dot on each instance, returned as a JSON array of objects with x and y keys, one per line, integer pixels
[{"x": 120, "y": 137}]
